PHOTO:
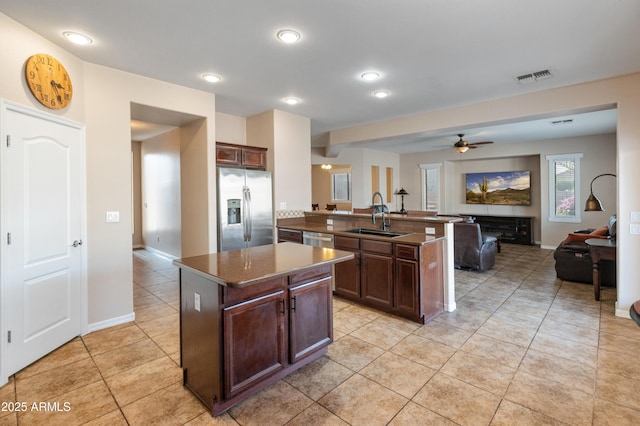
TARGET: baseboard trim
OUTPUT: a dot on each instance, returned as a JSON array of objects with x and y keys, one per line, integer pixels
[
  {"x": 160, "y": 253},
  {"x": 111, "y": 322},
  {"x": 548, "y": 247},
  {"x": 451, "y": 307},
  {"x": 624, "y": 313}
]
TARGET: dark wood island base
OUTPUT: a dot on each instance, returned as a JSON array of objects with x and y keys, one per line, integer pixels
[{"x": 250, "y": 317}]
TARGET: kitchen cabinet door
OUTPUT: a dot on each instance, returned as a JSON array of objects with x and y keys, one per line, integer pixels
[
  {"x": 377, "y": 279},
  {"x": 254, "y": 341},
  {"x": 310, "y": 318},
  {"x": 347, "y": 276},
  {"x": 406, "y": 288}
]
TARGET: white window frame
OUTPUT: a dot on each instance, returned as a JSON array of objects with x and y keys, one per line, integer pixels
[
  {"x": 349, "y": 186},
  {"x": 425, "y": 168},
  {"x": 552, "y": 159}
]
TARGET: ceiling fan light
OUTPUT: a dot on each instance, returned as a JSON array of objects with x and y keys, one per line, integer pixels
[{"x": 462, "y": 149}]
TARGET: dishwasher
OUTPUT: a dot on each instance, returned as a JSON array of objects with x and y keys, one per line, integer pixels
[{"x": 317, "y": 239}]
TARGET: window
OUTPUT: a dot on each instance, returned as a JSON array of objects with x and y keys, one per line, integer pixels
[
  {"x": 430, "y": 187},
  {"x": 564, "y": 187},
  {"x": 341, "y": 186}
]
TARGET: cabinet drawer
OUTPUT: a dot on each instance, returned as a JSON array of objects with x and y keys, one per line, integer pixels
[
  {"x": 406, "y": 252},
  {"x": 346, "y": 243},
  {"x": 254, "y": 157},
  {"x": 291, "y": 235},
  {"x": 375, "y": 246},
  {"x": 310, "y": 275},
  {"x": 232, "y": 296},
  {"x": 228, "y": 155}
]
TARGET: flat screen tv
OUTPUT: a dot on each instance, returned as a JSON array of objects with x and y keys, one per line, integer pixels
[{"x": 503, "y": 188}]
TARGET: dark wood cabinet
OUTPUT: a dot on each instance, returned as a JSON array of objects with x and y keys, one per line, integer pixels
[
  {"x": 399, "y": 278},
  {"x": 250, "y": 157},
  {"x": 512, "y": 229},
  {"x": 310, "y": 318},
  {"x": 257, "y": 323},
  {"x": 347, "y": 274},
  {"x": 236, "y": 341},
  {"x": 291, "y": 235}
]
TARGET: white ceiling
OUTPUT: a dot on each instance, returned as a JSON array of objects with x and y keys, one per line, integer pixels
[{"x": 432, "y": 54}]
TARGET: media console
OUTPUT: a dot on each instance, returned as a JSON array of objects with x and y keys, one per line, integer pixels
[{"x": 513, "y": 229}]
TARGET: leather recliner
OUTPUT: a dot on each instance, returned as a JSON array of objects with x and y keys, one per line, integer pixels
[{"x": 471, "y": 249}]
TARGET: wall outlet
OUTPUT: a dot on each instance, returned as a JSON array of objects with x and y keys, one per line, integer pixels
[
  {"x": 635, "y": 217},
  {"x": 635, "y": 229},
  {"x": 329, "y": 221},
  {"x": 430, "y": 231},
  {"x": 113, "y": 217},
  {"x": 197, "y": 301},
  {"x": 283, "y": 205}
]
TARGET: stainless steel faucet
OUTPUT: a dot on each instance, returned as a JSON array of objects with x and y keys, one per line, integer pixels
[{"x": 378, "y": 213}]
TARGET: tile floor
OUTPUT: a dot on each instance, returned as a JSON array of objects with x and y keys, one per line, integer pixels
[{"x": 523, "y": 348}]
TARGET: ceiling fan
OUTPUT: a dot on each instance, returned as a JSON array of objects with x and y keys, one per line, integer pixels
[{"x": 463, "y": 146}]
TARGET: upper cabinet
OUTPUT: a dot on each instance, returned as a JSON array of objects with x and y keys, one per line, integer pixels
[{"x": 249, "y": 157}]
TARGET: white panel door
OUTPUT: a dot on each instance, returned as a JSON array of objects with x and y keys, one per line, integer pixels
[{"x": 43, "y": 186}]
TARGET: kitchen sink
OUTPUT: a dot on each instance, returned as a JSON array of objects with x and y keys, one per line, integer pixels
[{"x": 376, "y": 232}]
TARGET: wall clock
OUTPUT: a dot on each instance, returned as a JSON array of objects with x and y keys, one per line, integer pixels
[{"x": 48, "y": 81}]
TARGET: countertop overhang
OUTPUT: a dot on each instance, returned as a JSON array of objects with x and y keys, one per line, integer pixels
[{"x": 240, "y": 268}]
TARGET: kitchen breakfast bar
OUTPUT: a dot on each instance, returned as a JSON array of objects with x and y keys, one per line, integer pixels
[{"x": 249, "y": 317}]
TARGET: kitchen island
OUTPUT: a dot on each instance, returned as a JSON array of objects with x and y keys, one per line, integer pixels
[{"x": 249, "y": 317}]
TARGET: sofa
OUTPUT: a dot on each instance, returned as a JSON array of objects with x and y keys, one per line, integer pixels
[
  {"x": 471, "y": 249},
  {"x": 573, "y": 260}
]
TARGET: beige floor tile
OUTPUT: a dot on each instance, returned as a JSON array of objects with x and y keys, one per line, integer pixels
[
  {"x": 347, "y": 322},
  {"x": 444, "y": 333},
  {"x": 457, "y": 401},
  {"x": 629, "y": 342},
  {"x": 570, "y": 373},
  {"x": 363, "y": 311},
  {"x": 413, "y": 414},
  {"x": 147, "y": 313},
  {"x": 8, "y": 418},
  {"x": 498, "y": 350},
  {"x": 317, "y": 415},
  {"x": 53, "y": 383},
  {"x": 568, "y": 349},
  {"x": 507, "y": 332},
  {"x": 554, "y": 399},
  {"x": 424, "y": 351},
  {"x": 624, "y": 363},
  {"x": 396, "y": 322},
  {"x": 172, "y": 405},
  {"x": 78, "y": 406},
  {"x": 161, "y": 325},
  {"x": 618, "y": 389},
  {"x": 140, "y": 381},
  {"x": 206, "y": 419},
  {"x": 68, "y": 353},
  {"x": 126, "y": 357},
  {"x": 319, "y": 377},
  {"x": 114, "y": 418},
  {"x": 397, "y": 373},
  {"x": 610, "y": 413},
  {"x": 584, "y": 335},
  {"x": 360, "y": 401},
  {"x": 380, "y": 335},
  {"x": 353, "y": 353},
  {"x": 482, "y": 372},
  {"x": 109, "y": 339},
  {"x": 275, "y": 405},
  {"x": 510, "y": 414},
  {"x": 169, "y": 342}
]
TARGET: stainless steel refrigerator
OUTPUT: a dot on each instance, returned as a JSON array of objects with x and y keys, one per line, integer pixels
[{"x": 245, "y": 208}]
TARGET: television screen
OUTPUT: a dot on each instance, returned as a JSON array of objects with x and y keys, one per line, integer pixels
[{"x": 504, "y": 188}]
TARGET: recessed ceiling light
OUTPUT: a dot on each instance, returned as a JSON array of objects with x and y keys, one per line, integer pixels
[
  {"x": 291, "y": 101},
  {"x": 211, "y": 78},
  {"x": 288, "y": 36},
  {"x": 370, "y": 76},
  {"x": 380, "y": 94},
  {"x": 77, "y": 38}
]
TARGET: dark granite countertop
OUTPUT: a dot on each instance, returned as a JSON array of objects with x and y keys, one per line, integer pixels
[{"x": 240, "y": 268}]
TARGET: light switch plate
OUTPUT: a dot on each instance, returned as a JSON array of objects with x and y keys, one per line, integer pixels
[
  {"x": 197, "y": 301},
  {"x": 635, "y": 217},
  {"x": 113, "y": 217},
  {"x": 635, "y": 229},
  {"x": 430, "y": 231},
  {"x": 283, "y": 205}
]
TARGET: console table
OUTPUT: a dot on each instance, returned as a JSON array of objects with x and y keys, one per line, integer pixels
[
  {"x": 512, "y": 229},
  {"x": 600, "y": 249}
]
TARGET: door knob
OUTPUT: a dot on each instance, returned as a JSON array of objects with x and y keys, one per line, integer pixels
[{"x": 77, "y": 243}]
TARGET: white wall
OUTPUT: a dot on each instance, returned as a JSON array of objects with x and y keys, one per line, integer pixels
[
  {"x": 599, "y": 157},
  {"x": 161, "y": 201},
  {"x": 361, "y": 160},
  {"x": 101, "y": 101},
  {"x": 620, "y": 92},
  {"x": 231, "y": 129}
]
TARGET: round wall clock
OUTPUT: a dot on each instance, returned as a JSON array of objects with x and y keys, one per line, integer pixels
[{"x": 48, "y": 81}]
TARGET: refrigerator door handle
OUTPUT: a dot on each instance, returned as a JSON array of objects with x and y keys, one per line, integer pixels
[
  {"x": 249, "y": 217},
  {"x": 244, "y": 213}
]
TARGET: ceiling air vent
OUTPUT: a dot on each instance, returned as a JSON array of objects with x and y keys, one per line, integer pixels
[
  {"x": 533, "y": 77},
  {"x": 558, "y": 122}
]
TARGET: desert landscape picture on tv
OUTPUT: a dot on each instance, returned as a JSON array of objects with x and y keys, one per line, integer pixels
[{"x": 504, "y": 188}]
